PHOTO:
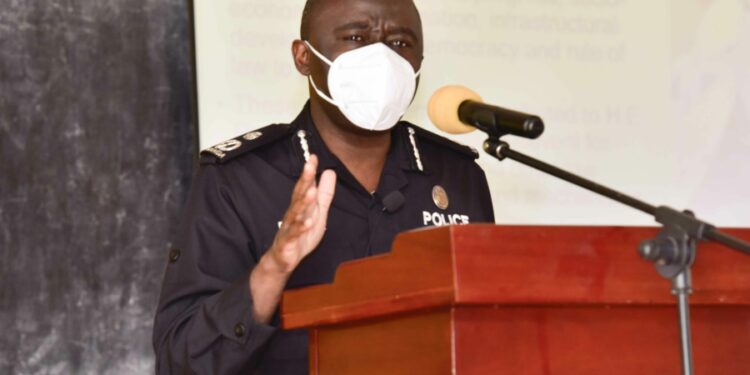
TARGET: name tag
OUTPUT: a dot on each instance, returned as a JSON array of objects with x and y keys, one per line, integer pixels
[{"x": 439, "y": 219}]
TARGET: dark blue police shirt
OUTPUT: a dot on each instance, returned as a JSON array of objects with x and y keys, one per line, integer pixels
[{"x": 204, "y": 321}]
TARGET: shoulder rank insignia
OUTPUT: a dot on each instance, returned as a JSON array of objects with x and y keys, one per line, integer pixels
[
  {"x": 230, "y": 149},
  {"x": 445, "y": 142}
]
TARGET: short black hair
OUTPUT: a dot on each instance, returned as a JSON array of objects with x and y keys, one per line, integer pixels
[{"x": 304, "y": 30}]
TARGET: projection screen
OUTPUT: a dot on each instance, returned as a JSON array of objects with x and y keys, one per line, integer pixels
[{"x": 649, "y": 97}]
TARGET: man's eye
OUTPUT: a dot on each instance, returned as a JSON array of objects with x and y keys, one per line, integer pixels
[
  {"x": 354, "y": 38},
  {"x": 399, "y": 43}
]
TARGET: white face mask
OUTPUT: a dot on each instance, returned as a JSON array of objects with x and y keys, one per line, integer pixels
[{"x": 372, "y": 86}]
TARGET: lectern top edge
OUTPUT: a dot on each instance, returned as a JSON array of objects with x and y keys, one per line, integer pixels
[{"x": 511, "y": 265}]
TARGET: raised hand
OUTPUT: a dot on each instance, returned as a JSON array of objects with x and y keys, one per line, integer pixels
[
  {"x": 301, "y": 230},
  {"x": 304, "y": 223}
]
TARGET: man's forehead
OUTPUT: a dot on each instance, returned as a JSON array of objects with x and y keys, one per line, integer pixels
[{"x": 333, "y": 12}]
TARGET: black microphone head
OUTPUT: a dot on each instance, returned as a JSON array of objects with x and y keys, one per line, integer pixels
[
  {"x": 393, "y": 201},
  {"x": 456, "y": 110},
  {"x": 533, "y": 127}
]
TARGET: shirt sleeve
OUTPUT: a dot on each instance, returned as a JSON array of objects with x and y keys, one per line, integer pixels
[{"x": 204, "y": 323}]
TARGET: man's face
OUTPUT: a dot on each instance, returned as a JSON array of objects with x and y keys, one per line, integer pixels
[
  {"x": 338, "y": 26},
  {"x": 343, "y": 25}
]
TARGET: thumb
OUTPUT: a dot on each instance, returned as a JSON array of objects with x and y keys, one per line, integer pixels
[{"x": 326, "y": 189}]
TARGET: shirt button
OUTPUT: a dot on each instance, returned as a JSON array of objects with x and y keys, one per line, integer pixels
[
  {"x": 174, "y": 255},
  {"x": 239, "y": 330}
]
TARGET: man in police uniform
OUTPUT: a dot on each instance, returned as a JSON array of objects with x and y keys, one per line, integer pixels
[{"x": 262, "y": 217}]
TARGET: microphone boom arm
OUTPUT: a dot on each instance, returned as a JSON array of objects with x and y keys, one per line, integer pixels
[
  {"x": 674, "y": 249},
  {"x": 501, "y": 150}
]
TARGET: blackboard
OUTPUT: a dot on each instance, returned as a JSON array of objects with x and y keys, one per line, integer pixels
[{"x": 96, "y": 153}]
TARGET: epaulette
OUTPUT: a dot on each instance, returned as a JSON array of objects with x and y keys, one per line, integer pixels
[
  {"x": 445, "y": 142},
  {"x": 230, "y": 149}
]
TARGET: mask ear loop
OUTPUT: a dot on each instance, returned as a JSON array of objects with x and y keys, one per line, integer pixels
[
  {"x": 320, "y": 93},
  {"x": 312, "y": 82},
  {"x": 320, "y": 55}
]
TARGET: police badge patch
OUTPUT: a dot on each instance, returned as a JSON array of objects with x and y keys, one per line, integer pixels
[{"x": 440, "y": 197}]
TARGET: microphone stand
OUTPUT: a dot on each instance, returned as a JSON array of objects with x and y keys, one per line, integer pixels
[{"x": 673, "y": 250}]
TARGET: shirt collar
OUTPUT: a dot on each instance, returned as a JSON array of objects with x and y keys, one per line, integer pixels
[
  {"x": 403, "y": 157},
  {"x": 405, "y": 150}
]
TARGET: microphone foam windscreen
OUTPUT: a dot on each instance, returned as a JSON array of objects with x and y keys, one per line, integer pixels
[{"x": 443, "y": 108}]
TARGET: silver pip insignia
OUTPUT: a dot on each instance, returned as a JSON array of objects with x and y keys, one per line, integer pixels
[
  {"x": 252, "y": 136},
  {"x": 440, "y": 197}
]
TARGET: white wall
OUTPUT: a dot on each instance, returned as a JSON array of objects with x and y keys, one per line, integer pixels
[{"x": 649, "y": 96}]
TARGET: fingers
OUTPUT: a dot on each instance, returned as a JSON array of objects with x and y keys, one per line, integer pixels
[
  {"x": 308, "y": 207},
  {"x": 316, "y": 213},
  {"x": 310, "y": 202},
  {"x": 305, "y": 182},
  {"x": 326, "y": 190},
  {"x": 324, "y": 197},
  {"x": 304, "y": 222},
  {"x": 306, "y": 179},
  {"x": 298, "y": 217}
]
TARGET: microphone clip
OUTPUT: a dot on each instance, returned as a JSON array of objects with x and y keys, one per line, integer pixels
[
  {"x": 495, "y": 147},
  {"x": 393, "y": 201}
]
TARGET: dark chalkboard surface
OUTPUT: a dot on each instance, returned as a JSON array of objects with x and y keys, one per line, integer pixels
[{"x": 96, "y": 150}]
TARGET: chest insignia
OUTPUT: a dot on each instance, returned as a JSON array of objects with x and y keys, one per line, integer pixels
[
  {"x": 302, "y": 135},
  {"x": 440, "y": 197}
]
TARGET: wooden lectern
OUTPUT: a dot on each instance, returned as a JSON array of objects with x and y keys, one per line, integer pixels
[{"x": 486, "y": 299}]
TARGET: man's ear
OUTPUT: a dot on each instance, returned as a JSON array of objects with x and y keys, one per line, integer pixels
[{"x": 301, "y": 55}]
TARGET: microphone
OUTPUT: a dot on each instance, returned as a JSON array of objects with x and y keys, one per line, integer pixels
[
  {"x": 393, "y": 201},
  {"x": 457, "y": 110}
]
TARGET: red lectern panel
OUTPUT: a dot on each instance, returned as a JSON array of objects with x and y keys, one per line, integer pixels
[{"x": 485, "y": 299}]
